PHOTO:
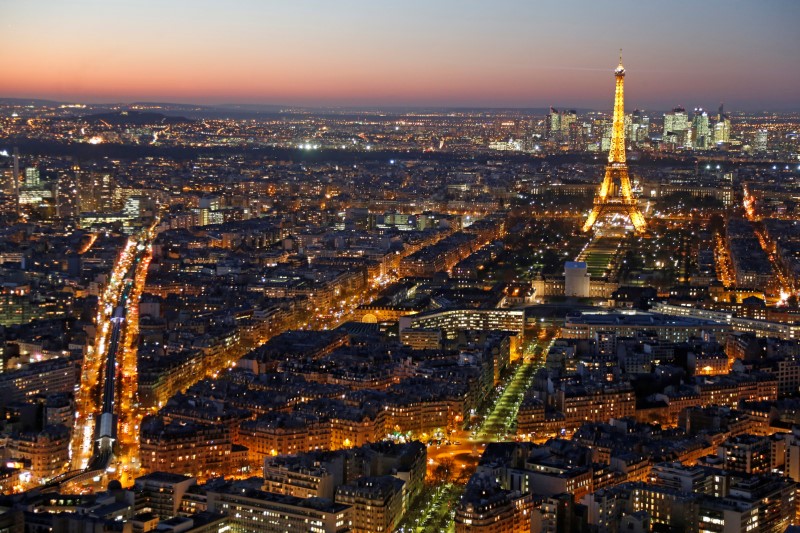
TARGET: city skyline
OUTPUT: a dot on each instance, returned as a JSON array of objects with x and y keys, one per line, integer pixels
[
  {"x": 440, "y": 55},
  {"x": 367, "y": 267}
]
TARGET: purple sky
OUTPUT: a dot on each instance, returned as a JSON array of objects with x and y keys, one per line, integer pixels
[{"x": 498, "y": 53}]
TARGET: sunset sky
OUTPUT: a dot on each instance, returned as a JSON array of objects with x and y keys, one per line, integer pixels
[{"x": 498, "y": 53}]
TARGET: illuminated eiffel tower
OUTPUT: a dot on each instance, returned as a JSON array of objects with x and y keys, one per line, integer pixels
[{"x": 615, "y": 196}]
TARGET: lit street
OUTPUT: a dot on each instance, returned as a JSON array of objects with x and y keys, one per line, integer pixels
[{"x": 433, "y": 267}]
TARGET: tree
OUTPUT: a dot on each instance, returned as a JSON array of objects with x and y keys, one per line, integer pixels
[
  {"x": 716, "y": 224},
  {"x": 443, "y": 470}
]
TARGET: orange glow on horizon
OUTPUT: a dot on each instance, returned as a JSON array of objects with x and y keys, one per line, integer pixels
[{"x": 372, "y": 53}]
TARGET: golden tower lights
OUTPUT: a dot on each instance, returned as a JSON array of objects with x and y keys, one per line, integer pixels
[{"x": 607, "y": 200}]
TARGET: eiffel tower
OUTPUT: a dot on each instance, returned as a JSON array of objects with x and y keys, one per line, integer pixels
[{"x": 615, "y": 196}]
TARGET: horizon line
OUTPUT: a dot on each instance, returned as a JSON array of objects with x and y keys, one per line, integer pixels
[{"x": 373, "y": 107}]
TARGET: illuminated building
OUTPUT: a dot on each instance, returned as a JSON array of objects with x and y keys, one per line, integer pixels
[
  {"x": 761, "y": 328},
  {"x": 756, "y": 503},
  {"x": 667, "y": 507},
  {"x": 615, "y": 195},
  {"x": 422, "y": 339},
  {"x": 96, "y": 191},
  {"x": 282, "y": 475},
  {"x": 161, "y": 493},
  {"x": 377, "y": 503},
  {"x": 20, "y": 305},
  {"x": 639, "y": 127},
  {"x": 32, "y": 178},
  {"x": 746, "y": 453},
  {"x": 47, "y": 451},
  {"x": 200, "y": 450},
  {"x": 722, "y": 128},
  {"x": 7, "y": 182},
  {"x": 576, "y": 279},
  {"x": 451, "y": 321},
  {"x": 760, "y": 141},
  {"x": 553, "y": 124},
  {"x": 284, "y": 434},
  {"x": 700, "y": 130},
  {"x": 159, "y": 381},
  {"x": 439, "y": 257},
  {"x": 737, "y": 504},
  {"x": 421, "y": 417},
  {"x": 586, "y": 325},
  {"x": 488, "y": 508},
  {"x": 557, "y": 513},
  {"x": 676, "y": 127},
  {"x": 45, "y": 377},
  {"x": 581, "y": 404},
  {"x": 16, "y": 178},
  {"x": 722, "y": 132},
  {"x": 561, "y": 125},
  {"x": 691, "y": 479},
  {"x": 135, "y": 206},
  {"x": 251, "y": 509},
  {"x": 710, "y": 364}
]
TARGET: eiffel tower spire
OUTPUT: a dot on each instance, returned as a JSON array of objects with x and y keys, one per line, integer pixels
[{"x": 619, "y": 199}]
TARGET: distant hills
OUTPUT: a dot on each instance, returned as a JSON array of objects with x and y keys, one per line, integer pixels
[
  {"x": 188, "y": 112},
  {"x": 111, "y": 112},
  {"x": 134, "y": 118}
]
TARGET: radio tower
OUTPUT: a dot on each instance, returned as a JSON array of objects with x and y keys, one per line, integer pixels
[{"x": 615, "y": 194}]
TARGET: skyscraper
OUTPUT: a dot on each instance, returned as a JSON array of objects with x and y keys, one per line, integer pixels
[
  {"x": 676, "y": 127},
  {"x": 568, "y": 119},
  {"x": 640, "y": 126},
  {"x": 16, "y": 177},
  {"x": 722, "y": 132},
  {"x": 561, "y": 125},
  {"x": 32, "y": 177},
  {"x": 722, "y": 127},
  {"x": 553, "y": 124},
  {"x": 701, "y": 132},
  {"x": 96, "y": 191},
  {"x": 760, "y": 142}
]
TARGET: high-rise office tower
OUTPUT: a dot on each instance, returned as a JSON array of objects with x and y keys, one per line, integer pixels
[
  {"x": 722, "y": 127},
  {"x": 66, "y": 195},
  {"x": 32, "y": 177},
  {"x": 553, "y": 124},
  {"x": 7, "y": 181},
  {"x": 561, "y": 125},
  {"x": 605, "y": 140},
  {"x": 676, "y": 127},
  {"x": 96, "y": 191},
  {"x": 722, "y": 132},
  {"x": 16, "y": 178},
  {"x": 568, "y": 118},
  {"x": 639, "y": 127},
  {"x": 760, "y": 142},
  {"x": 701, "y": 132}
]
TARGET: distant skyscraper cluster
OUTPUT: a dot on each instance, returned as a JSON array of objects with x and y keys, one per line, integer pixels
[{"x": 699, "y": 132}]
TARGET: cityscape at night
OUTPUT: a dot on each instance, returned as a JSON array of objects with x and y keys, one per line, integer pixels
[{"x": 406, "y": 267}]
